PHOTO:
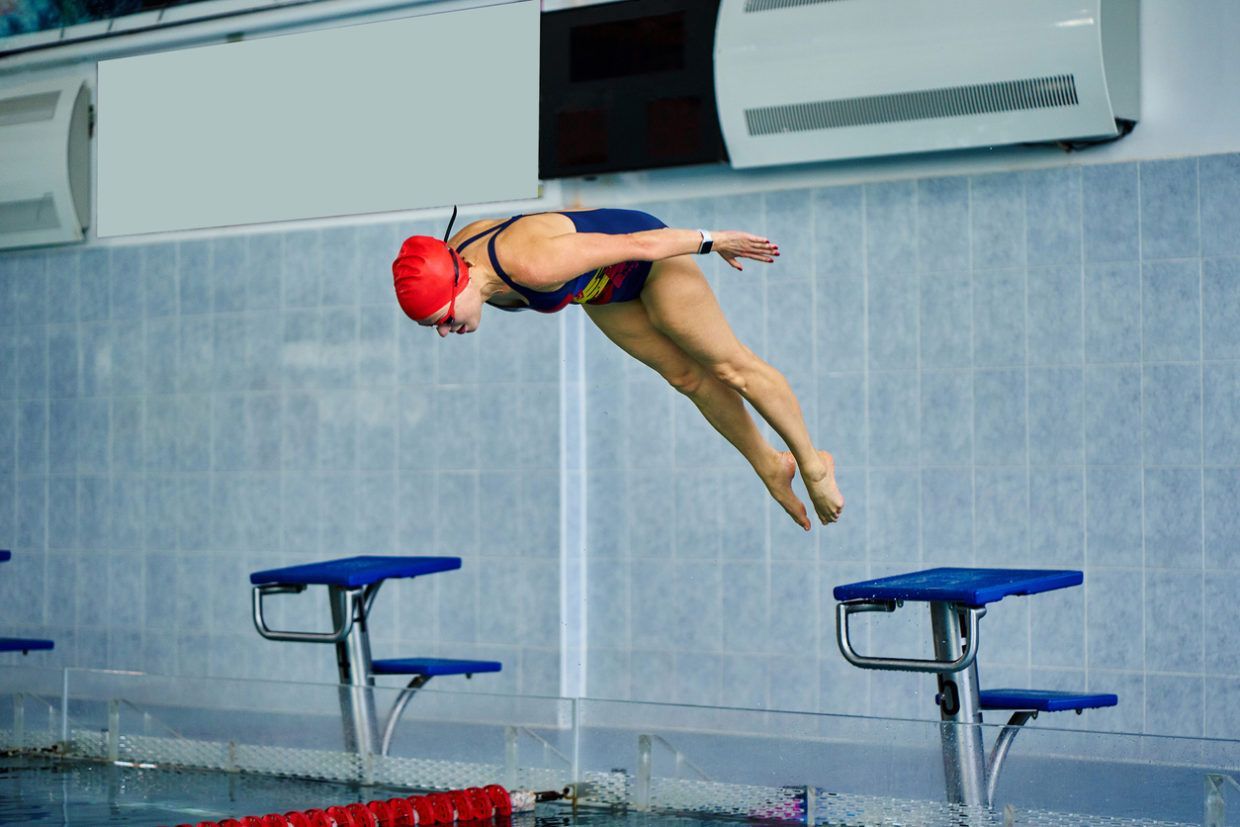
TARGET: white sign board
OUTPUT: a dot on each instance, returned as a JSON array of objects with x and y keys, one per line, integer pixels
[{"x": 398, "y": 115}]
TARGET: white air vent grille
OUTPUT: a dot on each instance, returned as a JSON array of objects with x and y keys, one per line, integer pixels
[
  {"x": 773, "y": 5},
  {"x": 30, "y": 215},
  {"x": 1007, "y": 96},
  {"x": 28, "y": 108}
]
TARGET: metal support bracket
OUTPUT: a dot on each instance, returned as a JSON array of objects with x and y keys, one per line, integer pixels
[
  {"x": 1002, "y": 744},
  {"x": 843, "y": 610}
]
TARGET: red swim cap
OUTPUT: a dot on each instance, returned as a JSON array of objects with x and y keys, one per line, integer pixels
[{"x": 423, "y": 272}]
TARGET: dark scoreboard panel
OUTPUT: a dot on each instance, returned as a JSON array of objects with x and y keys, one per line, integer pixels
[{"x": 628, "y": 86}]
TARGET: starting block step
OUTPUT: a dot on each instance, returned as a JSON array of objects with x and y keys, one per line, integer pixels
[
  {"x": 968, "y": 587},
  {"x": 1044, "y": 700},
  {"x": 19, "y": 644},
  {"x": 433, "y": 667},
  {"x": 5, "y": 555},
  {"x": 354, "y": 572}
]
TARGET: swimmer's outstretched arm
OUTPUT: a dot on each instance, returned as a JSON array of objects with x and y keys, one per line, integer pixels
[{"x": 542, "y": 261}]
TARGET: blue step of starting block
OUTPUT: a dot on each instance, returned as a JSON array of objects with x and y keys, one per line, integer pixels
[
  {"x": 969, "y": 587},
  {"x": 5, "y": 555},
  {"x": 1044, "y": 700},
  {"x": 433, "y": 667},
  {"x": 354, "y": 572},
  {"x": 19, "y": 644}
]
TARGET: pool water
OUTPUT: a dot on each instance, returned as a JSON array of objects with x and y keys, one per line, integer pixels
[{"x": 52, "y": 791}]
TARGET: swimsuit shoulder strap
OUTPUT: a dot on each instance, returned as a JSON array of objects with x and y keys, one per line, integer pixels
[{"x": 499, "y": 271}]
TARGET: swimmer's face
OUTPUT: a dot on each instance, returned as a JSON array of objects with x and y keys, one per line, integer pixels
[{"x": 465, "y": 316}]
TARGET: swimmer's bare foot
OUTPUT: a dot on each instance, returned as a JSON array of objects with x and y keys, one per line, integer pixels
[
  {"x": 823, "y": 491},
  {"x": 778, "y": 478}
]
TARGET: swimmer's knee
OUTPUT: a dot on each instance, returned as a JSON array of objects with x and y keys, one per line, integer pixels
[
  {"x": 687, "y": 380},
  {"x": 738, "y": 369}
]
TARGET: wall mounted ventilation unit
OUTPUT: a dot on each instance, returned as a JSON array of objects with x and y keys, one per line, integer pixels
[
  {"x": 44, "y": 163},
  {"x": 815, "y": 80}
]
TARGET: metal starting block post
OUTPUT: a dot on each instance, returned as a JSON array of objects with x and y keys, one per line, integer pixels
[
  {"x": 352, "y": 584},
  {"x": 958, "y": 599}
]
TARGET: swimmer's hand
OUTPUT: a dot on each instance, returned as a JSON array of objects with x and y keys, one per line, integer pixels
[{"x": 733, "y": 244}]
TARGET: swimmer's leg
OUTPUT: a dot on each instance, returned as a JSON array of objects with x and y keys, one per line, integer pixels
[
  {"x": 627, "y": 324},
  {"x": 681, "y": 305}
]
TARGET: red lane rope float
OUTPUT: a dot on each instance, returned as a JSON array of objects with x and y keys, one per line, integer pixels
[{"x": 474, "y": 804}]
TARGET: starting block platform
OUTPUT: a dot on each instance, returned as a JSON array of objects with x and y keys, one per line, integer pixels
[
  {"x": 21, "y": 644},
  {"x": 352, "y": 584},
  {"x": 958, "y": 599}
]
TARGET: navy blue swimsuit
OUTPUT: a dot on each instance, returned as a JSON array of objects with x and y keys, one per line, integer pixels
[{"x": 619, "y": 282}]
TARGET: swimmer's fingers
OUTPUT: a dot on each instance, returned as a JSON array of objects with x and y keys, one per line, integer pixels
[{"x": 733, "y": 243}]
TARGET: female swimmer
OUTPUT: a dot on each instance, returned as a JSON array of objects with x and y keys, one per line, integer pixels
[{"x": 637, "y": 281}]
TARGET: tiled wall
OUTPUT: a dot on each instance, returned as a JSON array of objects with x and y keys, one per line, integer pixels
[
  {"x": 1027, "y": 369},
  {"x": 174, "y": 416},
  {"x": 1030, "y": 369}
]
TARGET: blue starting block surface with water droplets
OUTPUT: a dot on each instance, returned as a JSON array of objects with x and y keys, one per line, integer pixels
[
  {"x": 353, "y": 572},
  {"x": 970, "y": 587}
]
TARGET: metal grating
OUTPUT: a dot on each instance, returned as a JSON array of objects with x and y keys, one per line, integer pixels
[
  {"x": 979, "y": 99},
  {"x": 775, "y": 5}
]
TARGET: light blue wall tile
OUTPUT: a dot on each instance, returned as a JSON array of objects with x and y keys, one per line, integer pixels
[
  {"x": 792, "y": 684},
  {"x": 8, "y": 439},
  {"x": 946, "y": 417},
  {"x": 699, "y": 679},
  {"x": 1057, "y": 628},
  {"x": 744, "y": 619},
  {"x": 698, "y": 624},
  {"x": 1173, "y": 705},
  {"x": 1172, "y": 415},
  {"x": 1057, "y": 517},
  {"x": 892, "y": 310},
  {"x": 128, "y": 358},
  {"x": 652, "y": 517},
  {"x": 946, "y": 516},
  {"x": 376, "y": 248},
  {"x": 1110, "y": 211},
  {"x": 840, "y": 321},
  {"x": 1221, "y": 617},
  {"x": 128, "y": 501},
  {"x": 264, "y": 271},
  {"x": 93, "y": 430},
  {"x": 1173, "y": 500},
  {"x": 654, "y": 676},
  {"x": 229, "y": 273},
  {"x": 62, "y": 358},
  {"x": 1220, "y": 298},
  {"x": 1171, "y": 310},
  {"x": 62, "y": 520},
  {"x": 95, "y": 513},
  {"x": 8, "y": 363},
  {"x": 8, "y": 291},
  {"x": 1053, "y": 215},
  {"x": 1114, "y": 517},
  {"x": 227, "y": 433},
  {"x": 94, "y": 267},
  {"x": 790, "y": 327},
  {"x": 745, "y": 309},
  {"x": 162, "y": 512},
  {"x": 893, "y": 418},
  {"x": 128, "y": 429},
  {"x": 195, "y": 356},
  {"x": 946, "y": 320},
  {"x": 1113, "y": 312},
  {"x": 302, "y": 256},
  {"x": 375, "y": 429},
  {"x": 338, "y": 266},
  {"x": 1221, "y": 413},
  {"x": 194, "y": 526},
  {"x": 193, "y": 278},
  {"x": 1001, "y": 516},
  {"x": 32, "y": 513},
  {"x": 1173, "y": 621},
  {"x": 161, "y": 343},
  {"x": 458, "y": 405},
  {"x": 1114, "y": 620},
  {"x": 892, "y": 505},
  {"x": 943, "y": 224},
  {"x": 339, "y": 521},
  {"x": 32, "y": 438},
  {"x": 1220, "y": 204},
  {"x": 1112, "y": 411},
  {"x": 999, "y": 417},
  {"x": 998, "y": 227},
  {"x": 339, "y": 347},
  {"x": 376, "y": 347},
  {"x": 607, "y": 604},
  {"x": 127, "y": 283},
  {"x": 1222, "y": 519},
  {"x": 999, "y": 317},
  {"x": 793, "y": 618},
  {"x": 890, "y": 222},
  {"x": 159, "y": 281},
  {"x": 1055, "y": 320},
  {"x": 1169, "y": 209},
  {"x": 653, "y": 602},
  {"x": 299, "y": 429},
  {"x": 698, "y": 517},
  {"x": 31, "y": 361},
  {"x": 1056, "y": 416},
  {"x": 839, "y": 230},
  {"x": 786, "y": 212},
  {"x": 29, "y": 273},
  {"x": 64, "y": 287}
]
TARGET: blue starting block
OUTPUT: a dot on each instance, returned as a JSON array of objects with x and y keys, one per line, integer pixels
[
  {"x": 958, "y": 598},
  {"x": 21, "y": 644},
  {"x": 352, "y": 584}
]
